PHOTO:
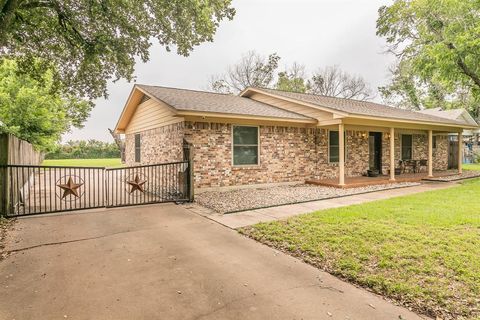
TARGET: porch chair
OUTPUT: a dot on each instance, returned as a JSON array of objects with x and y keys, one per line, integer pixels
[
  {"x": 422, "y": 164},
  {"x": 411, "y": 165}
]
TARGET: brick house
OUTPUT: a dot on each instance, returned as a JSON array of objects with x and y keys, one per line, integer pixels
[{"x": 264, "y": 136}]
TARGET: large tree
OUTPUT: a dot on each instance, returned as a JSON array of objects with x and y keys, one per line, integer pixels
[
  {"x": 252, "y": 70},
  {"x": 437, "y": 43},
  {"x": 293, "y": 79},
  {"x": 409, "y": 91},
  {"x": 32, "y": 109},
  {"x": 333, "y": 81},
  {"x": 89, "y": 42}
]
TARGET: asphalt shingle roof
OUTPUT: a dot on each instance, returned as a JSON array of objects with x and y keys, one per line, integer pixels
[
  {"x": 201, "y": 101},
  {"x": 455, "y": 114},
  {"x": 357, "y": 107}
]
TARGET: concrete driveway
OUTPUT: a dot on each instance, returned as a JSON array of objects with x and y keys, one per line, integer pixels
[{"x": 164, "y": 262}]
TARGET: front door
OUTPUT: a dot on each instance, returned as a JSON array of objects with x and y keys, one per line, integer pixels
[
  {"x": 375, "y": 151},
  {"x": 452, "y": 154}
]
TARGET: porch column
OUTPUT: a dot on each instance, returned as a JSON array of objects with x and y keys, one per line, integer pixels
[
  {"x": 341, "y": 154},
  {"x": 392, "y": 154},
  {"x": 460, "y": 152},
  {"x": 430, "y": 153}
]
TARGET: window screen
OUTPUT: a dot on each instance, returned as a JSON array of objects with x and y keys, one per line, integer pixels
[
  {"x": 407, "y": 153},
  {"x": 245, "y": 145},
  {"x": 334, "y": 146}
]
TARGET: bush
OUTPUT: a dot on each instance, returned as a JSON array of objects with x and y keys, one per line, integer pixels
[
  {"x": 476, "y": 157},
  {"x": 81, "y": 149}
]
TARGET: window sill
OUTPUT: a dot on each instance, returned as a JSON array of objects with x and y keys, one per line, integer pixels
[{"x": 247, "y": 167}]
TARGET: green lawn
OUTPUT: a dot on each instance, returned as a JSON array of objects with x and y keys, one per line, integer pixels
[
  {"x": 471, "y": 166},
  {"x": 112, "y": 163},
  {"x": 421, "y": 250}
]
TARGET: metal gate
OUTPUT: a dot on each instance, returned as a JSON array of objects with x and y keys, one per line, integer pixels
[
  {"x": 165, "y": 182},
  {"x": 32, "y": 190}
]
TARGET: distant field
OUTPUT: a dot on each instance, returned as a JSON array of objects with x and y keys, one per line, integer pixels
[
  {"x": 84, "y": 162},
  {"x": 472, "y": 166}
]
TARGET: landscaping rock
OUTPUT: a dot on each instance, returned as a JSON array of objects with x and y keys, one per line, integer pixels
[{"x": 248, "y": 199}]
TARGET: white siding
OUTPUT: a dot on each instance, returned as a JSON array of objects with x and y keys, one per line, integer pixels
[
  {"x": 294, "y": 107},
  {"x": 151, "y": 114}
]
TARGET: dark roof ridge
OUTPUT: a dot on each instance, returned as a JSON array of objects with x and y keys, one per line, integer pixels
[
  {"x": 333, "y": 97},
  {"x": 193, "y": 90}
]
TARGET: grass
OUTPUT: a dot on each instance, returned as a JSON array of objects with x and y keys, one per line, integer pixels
[
  {"x": 472, "y": 166},
  {"x": 422, "y": 250},
  {"x": 112, "y": 163}
]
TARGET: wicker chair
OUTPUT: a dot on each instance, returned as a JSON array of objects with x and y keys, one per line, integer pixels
[
  {"x": 422, "y": 164},
  {"x": 411, "y": 165}
]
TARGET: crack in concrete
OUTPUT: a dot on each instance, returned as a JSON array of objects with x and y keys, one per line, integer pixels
[{"x": 71, "y": 241}]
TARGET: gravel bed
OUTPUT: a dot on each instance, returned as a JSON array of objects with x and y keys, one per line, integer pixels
[
  {"x": 248, "y": 199},
  {"x": 466, "y": 174}
]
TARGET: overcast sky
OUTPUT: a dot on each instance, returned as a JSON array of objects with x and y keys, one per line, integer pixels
[{"x": 315, "y": 33}]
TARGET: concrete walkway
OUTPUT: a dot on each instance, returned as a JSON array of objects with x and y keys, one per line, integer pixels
[
  {"x": 250, "y": 217},
  {"x": 163, "y": 262}
]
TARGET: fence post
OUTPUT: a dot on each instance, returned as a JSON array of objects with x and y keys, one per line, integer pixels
[
  {"x": 4, "y": 190},
  {"x": 190, "y": 173}
]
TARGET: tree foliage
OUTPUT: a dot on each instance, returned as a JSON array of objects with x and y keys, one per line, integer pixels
[
  {"x": 89, "y": 42},
  {"x": 293, "y": 79},
  {"x": 32, "y": 109},
  {"x": 408, "y": 91},
  {"x": 437, "y": 43},
  {"x": 81, "y": 149},
  {"x": 253, "y": 70}
]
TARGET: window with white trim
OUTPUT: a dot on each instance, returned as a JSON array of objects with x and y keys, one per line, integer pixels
[
  {"x": 334, "y": 146},
  {"x": 245, "y": 145}
]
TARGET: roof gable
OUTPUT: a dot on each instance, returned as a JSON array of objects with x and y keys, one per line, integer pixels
[
  {"x": 189, "y": 102},
  {"x": 202, "y": 101}
]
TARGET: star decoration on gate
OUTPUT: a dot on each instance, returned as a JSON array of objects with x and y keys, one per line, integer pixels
[
  {"x": 70, "y": 188},
  {"x": 137, "y": 184}
]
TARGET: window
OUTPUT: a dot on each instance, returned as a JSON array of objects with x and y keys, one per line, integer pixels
[
  {"x": 245, "y": 145},
  {"x": 407, "y": 153},
  {"x": 434, "y": 142},
  {"x": 137, "y": 147},
  {"x": 334, "y": 146}
]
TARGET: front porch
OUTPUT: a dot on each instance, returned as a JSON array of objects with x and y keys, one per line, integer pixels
[
  {"x": 363, "y": 181},
  {"x": 391, "y": 150}
]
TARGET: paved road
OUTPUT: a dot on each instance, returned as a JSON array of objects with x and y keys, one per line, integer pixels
[{"x": 164, "y": 262}]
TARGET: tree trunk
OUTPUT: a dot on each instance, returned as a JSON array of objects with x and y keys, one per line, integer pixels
[{"x": 7, "y": 14}]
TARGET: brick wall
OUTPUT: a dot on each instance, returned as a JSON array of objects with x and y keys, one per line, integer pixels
[
  {"x": 159, "y": 145},
  {"x": 440, "y": 154},
  {"x": 287, "y": 154}
]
